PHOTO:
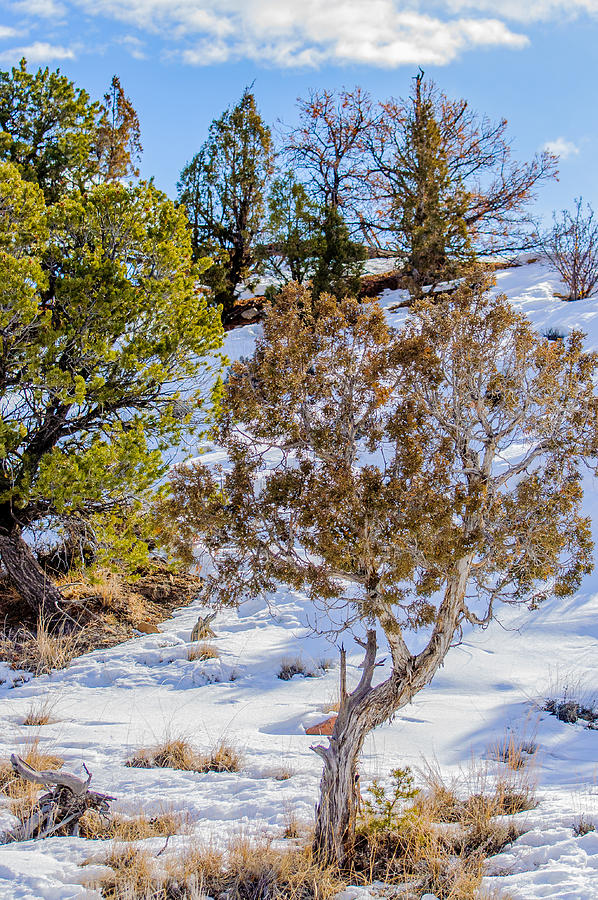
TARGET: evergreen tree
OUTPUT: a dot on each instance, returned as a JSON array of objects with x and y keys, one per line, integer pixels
[
  {"x": 418, "y": 478},
  {"x": 443, "y": 184},
  {"x": 339, "y": 260},
  {"x": 117, "y": 145},
  {"x": 101, "y": 328},
  {"x": 47, "y": 129},
  {"x": 428, "y": 206},
  {"x": 223, "y": 190},
  {"x": 291, "y": 231}
]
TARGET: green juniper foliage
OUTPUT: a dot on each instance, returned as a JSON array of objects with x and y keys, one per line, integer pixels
[
  {"x": 339, "y": 260},
  {"x": 101, "y": 326},
  {"x": 291, "y": 231},
  {"x": 47, "y": 129},
  {"x": 223, "y": 190},
  {"x": 384, "y": 810},
  {"x": 430, "y": 203}
]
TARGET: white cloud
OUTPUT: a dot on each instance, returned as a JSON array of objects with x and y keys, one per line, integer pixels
[
  {"x": 290, "y": 33},
  {"x": 6, "y": 32},
  {"x": 527, "y": 11},
  {"x": 561, "y": 147},
  {"x": 37, "y": 52},
  {"x": 134, "y": 46},
  {"x": 45, "y": 9},
  {"x": 284, "y": 33}
]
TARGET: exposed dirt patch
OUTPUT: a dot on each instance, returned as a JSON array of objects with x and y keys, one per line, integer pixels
[{"x": 103, "y": 610}]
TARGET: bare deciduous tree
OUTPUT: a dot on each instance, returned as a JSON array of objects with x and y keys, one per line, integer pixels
[
  {"x": 327, "y": 146},
  {"x": 572, "y": 248},
  {"x": 376, "y": 470}
]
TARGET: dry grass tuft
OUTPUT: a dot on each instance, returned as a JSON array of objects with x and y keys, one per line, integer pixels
[
  {"x": 292, "y": 665},
  {"x": 222, "y": 758},
  {"x": 516, "y": 753},
  {"x": 103, "y": 608},
  {"x": 202, "y": 651},
  {"x": 39, "y": 650},
  {"x": 41, "y": 712},
  {"x": 583, "y": 825},
  {"x": 292, "y": 827},
  {"x": 247, "y": 871},
  {"x": 171, "y": 753},
  {"x": 132, "y": 874},
  {"x": 132, "y": 828},
  {"x": 178, "y": 753},
  {"x": 296, "y": 665},
  {"x": 281, "y": 773},
  {"x": 438, "y": 841},
  {"x": 332, "y": 705}
]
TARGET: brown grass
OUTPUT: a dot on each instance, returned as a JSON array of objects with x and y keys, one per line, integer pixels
[
  {"x": 132, "y": 874},
  {"x": 132, "y": 828},
  {"x": 202, "y": 651},
  {"x": 22, "y": 794},
  {"x": 439, "y": 843},
  {"x": 179, "y": 753},
  {"x": 514, "y": 752},
  {"x": 281, "y": 773},
  {"x": 105, "y": 609},
  {"x": 41, "y": 712},
  {"x": 247, "y": 871},
  {"x": 39, "y": 650}
]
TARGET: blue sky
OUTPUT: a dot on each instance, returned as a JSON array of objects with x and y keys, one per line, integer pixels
[{"x": 183, "y": 61}]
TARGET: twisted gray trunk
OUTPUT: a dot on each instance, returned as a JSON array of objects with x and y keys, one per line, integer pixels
[
  {"x": 367, "y": 707},
  {"x": 27, "y": 576}
]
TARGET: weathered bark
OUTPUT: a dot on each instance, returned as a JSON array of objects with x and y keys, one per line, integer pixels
[
  {"x": 28, "y": 577},
  {"x": 368, "y": 707},
  {"x": 58, "y": 811},
  {"x": 337, "y": 808}
]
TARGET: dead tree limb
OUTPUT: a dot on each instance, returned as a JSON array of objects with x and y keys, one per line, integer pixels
[{"x": 59, "y": 810}]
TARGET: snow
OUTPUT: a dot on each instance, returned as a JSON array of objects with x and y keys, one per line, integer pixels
[{"x": 110, "y": 703}]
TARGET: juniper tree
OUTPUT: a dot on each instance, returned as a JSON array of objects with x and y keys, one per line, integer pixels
[
  {"x": 427, "y": 203},
  {"x": 409, "y": 481},
  {"x": 338, "y": 259},
  {"x": 101, "y": 326},
  {"x": 444, "y": 182},
  {"x": 223, "y": 190},
  {"x": 47, "y": 128},
  {"x": 291, "y": 231}
]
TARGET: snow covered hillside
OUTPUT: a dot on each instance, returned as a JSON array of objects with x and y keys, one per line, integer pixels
[{"x": 110, "y": 703}]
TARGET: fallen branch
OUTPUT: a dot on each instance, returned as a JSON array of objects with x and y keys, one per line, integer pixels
[{"x": 59, "y": 810}]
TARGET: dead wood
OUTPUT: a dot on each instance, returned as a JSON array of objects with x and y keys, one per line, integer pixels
[{"x": 59, "y": 810}]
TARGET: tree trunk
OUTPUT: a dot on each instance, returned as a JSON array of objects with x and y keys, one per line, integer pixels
[
  {"x": 336, "y": 811},
  {"x": 368, "y": 707},
  {"x": 28, "y": 577}
]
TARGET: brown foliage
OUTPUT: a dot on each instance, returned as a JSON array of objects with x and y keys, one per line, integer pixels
[
  {"x": 440, "y": 523},
  {"x": 117, "y": 146}
]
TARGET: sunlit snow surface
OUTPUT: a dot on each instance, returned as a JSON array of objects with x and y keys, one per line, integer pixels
[{"x": 111, "y": 702}]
